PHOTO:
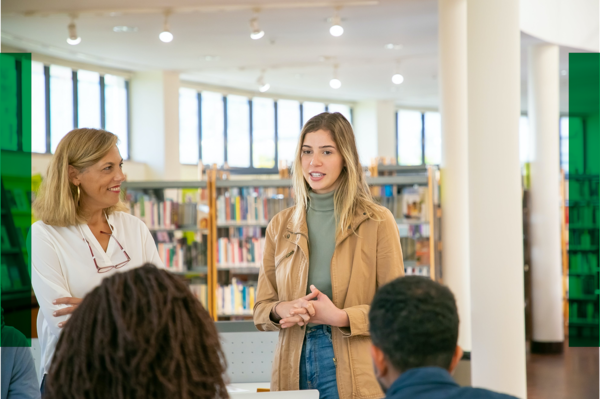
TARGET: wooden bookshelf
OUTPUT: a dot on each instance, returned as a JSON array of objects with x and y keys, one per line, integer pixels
[{"x": 221, "y": 274}]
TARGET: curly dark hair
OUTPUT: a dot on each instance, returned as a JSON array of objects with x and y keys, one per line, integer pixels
[
  {"x": 414, "y": 321},
  {"x": 141, "y": 334}
]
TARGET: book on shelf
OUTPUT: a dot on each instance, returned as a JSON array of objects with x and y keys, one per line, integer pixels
[
  {"x": 179, "y": 209},
  {"x": 250, "y": 204},
  {"x": 412, "y": 203},
  {"x": 242, "y": 247},
  {"x": 181, "y": 251},
  {"x": 200, "y": 291},
  {"x": 236, "y": 298}
]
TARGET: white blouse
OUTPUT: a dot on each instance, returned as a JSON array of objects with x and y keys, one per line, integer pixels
[{"x": 62, "y": 266}]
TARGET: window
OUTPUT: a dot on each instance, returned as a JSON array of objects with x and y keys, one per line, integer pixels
[
  {"x": 288, "y": 129},
  {"x": 342, "y": 109},
  {"x": 564, "y": 143},
  {"x": 433, "y": 138},
  {"x": 238, "y": 131},
  {"x": 88, "y": 99},
  {"x": 212, "y": 128},
  {"x": 61, "y": 103},
  {"x": 38, "y": 107},
  {"x": 310, "y": 109},
  {"x": 263, "y": 133},
  {"x": 115, "y": 92},
  {"x": 524, "y": 139},
  {"x": 189, "y": 138},
  {"x": 410, "y": 130}
]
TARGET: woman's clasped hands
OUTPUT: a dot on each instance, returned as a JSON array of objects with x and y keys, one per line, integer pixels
[{"x": 315, "y": 308}]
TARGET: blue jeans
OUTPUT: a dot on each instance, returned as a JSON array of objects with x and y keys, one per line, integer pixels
[{"x": 317, "y": 364}]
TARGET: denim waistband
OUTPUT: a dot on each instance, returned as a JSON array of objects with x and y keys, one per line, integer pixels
[{"x": 321, "y": 328}]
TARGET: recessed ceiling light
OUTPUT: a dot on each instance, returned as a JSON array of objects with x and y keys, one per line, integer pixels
[
  {"x": 563, "y": 72},
  {"x": 125, "y": 29},
  {"x": 211, "y": 58},
  {"x": 392, "y": 46}
]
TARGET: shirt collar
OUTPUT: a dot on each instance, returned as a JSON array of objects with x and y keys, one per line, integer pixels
[{"x": 421, "y": 376}]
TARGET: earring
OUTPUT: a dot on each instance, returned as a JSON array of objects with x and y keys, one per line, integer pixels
[{"x": 78, "y": 196}]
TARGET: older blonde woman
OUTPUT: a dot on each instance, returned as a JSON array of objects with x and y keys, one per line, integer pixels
[
  {"x": 338, "y": 246},
  {"x": 84, "y": 234}
]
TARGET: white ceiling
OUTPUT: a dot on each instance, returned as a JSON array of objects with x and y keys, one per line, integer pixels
[{"x": 297, "y": 52}]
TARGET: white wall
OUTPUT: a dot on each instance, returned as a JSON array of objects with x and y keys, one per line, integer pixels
[
  {"x": 133, "y": 170},
  {"x": 375, "y": 129},
  {"x": 572, "y": 23}
]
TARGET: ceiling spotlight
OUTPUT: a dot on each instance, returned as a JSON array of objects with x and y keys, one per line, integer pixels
[
  {"x": 336, "y": 26},
  {"x": 397, "y": 78},
  {"x": 166, "y": 36},
  {"x": 262, "y": 85},
  {"x": 392, "y": 46},
  {"x": 563, "y": 72},
  {"x": 73, "y": 38},
  {"x": 335, "y": 83},
  {"x": 255, "y": 31}
]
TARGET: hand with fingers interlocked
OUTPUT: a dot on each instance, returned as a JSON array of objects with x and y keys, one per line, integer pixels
[
  {"x": 73, "y": 302},
  {"x": 315, "y": 308}
]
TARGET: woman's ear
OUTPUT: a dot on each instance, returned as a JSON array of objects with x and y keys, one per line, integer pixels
[{"x": 74, "y": 176}]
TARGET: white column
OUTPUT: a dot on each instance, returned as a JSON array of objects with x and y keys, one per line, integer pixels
[
  {"x": 155, "y": 123},
  {"x": 375, "y": 129},
  {"x": 454, "y": 167},
  {"x": 495, "y": 210},
  {"x": 544, "y": 221}
]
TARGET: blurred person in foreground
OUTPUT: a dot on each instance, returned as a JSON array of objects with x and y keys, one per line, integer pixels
[
  {"x": 140, "y": 335},
  {"x": 19, "y": 378},
  {"x": 414, "y": 332}
]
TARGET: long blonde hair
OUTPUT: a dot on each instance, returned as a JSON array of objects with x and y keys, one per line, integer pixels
[
  {"x": 57, "y": 202},
  {"x": 353, "y": 192}
]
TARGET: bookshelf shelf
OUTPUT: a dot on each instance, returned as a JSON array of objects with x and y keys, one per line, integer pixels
[
  {"x": 242, "y": 224},
  {"x": 254, "y": 183},
  {"x": 582, "y": 249},
  {"x": 584, "y": 298},
  {"x": 584, "y": 322},
  {"x": 163, "y": 185},
  {"x": 583, "y": 227},
  {"x": 197, "y": 272},
  {"x": 411, "y": 222},
  {"x": 11, "y": 251},
  {"x": 240, "y": 269},
  {"x": 182, "y": 228},
  {"x": 581, "y": 274}
]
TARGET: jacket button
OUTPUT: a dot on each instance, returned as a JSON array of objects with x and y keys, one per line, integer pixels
[
  {"x": 287, "y": 236},
  {"x": 365, "y": 213}
]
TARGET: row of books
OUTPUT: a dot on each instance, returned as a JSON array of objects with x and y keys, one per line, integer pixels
[
  {"x": 581, "y": 262},
  {"x": 585, "y": 311},
  {"x": 166, "y": 214},
  {"x": 250, "y": 205},
  {"x": 417, "y": 250},
  {"x": 237, "y": 298},
  {"x": 240, "y": 251},
  {"x": 412, "y": 203},
  {"x": 416, "y": 271},
  {"x": 200, "y": 291},
  {"x": 182, "y": 251},
  {"x": 579, "y": 286}
]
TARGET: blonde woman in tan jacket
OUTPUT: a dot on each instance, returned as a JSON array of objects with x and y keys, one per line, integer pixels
[{"x": 323, "y": 261}]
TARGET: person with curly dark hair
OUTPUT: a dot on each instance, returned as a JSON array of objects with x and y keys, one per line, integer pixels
[
  {"x": 414, "y": 330},
  {"x": 141, "y": 334}
]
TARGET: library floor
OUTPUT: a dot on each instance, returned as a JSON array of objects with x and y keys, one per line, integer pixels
[{"x": 572, "y": 374}]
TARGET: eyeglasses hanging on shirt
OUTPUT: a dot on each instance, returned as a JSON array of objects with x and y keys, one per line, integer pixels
[{"x": 105, "y": 269}]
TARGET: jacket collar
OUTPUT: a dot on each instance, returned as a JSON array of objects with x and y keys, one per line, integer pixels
[{"x": 421, "y": 376}]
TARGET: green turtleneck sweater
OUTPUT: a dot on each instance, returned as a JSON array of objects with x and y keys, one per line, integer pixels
[{"x": 320, "y": 219}]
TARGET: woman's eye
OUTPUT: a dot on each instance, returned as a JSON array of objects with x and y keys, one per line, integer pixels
[
  {"x": 327, "y": 152},
  {"x": 306, "y": 152},
  {"x": 108, "y": 168},
  {"x": 121, "y": 165}
]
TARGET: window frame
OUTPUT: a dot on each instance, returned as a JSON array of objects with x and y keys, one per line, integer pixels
[{"x": 74, "y": 71}]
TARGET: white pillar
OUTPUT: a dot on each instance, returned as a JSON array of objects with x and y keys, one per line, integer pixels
[
  {"x": 375, "y": 130},
  {"x": 155, "y": 123},
  {"x": 544, "y": 221},
  {"x": 495, "y": 210},
  {"x": 454, "y": 167}
]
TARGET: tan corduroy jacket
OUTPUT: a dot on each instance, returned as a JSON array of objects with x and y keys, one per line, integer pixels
[{"x": 366, "y": 256}]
